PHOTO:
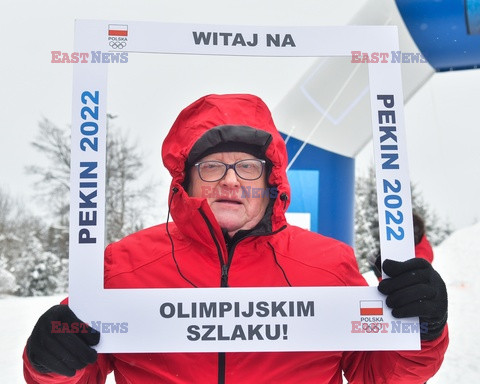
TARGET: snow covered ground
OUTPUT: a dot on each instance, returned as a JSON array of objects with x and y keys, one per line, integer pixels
[
  {"x": 455, "y": 259},
  {"x": 17, "y": 317}
]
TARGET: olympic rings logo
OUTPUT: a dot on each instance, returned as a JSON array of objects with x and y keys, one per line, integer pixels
[
  {"x": 117, "y": 45},
  {"x": 371, "y": 328}
]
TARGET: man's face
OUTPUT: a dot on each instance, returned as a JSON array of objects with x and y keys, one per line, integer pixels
[{"x": 236, "y": 203}]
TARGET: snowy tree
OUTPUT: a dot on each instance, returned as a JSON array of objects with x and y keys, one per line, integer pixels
[
  {"x": 436, "y": 229},
  {"x": 53, "y": 181},
  {"x": 127, "y": 200},
  {"x": 366, "y": 219},
  {"x": 25, "y": 267},
  {"x": 8, "y": 283},
  {"x": 367, "y": 243},
  {"x": 38, "y": 272},
  {"x": 33, "y": 255}
]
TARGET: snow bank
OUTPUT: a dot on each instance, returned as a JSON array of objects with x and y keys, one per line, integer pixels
[
  {"x": 18, "y": 315},
  {"x": 456, "y": 259}
]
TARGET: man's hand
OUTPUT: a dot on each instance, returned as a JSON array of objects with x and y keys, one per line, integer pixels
[
  {"x": 60, "y": 342},
  {"x": 416, "y": 289}
]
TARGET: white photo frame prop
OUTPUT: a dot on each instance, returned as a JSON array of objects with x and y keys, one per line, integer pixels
[{"x": 220, "y": 319}]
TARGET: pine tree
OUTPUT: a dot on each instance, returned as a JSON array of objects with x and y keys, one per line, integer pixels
[
  {"x": 38, "y": 272},
  {"x": 366, "y": 219},
  {"x": 367, "y": 242},
  {"x": 25, "y": 267}
]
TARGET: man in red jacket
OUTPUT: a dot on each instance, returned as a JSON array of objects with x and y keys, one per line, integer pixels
[{"x": 219, "y": 149}]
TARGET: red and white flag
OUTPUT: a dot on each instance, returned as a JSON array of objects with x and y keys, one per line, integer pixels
[
  {"x": 117, "y": 30},
  {"x": 371, "y": 308}
]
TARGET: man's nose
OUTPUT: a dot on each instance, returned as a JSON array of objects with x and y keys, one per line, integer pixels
[{"x": 230, "y": 178}]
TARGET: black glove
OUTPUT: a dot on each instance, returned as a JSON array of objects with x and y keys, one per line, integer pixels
[
  {"x": 57, "y": 347},
  {"x": 416, "y": 289}
]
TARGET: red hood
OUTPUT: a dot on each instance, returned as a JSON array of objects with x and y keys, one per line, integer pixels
[{"x": 192, "y": 123}]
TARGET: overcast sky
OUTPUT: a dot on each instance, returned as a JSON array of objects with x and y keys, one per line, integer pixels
[{"x": 441, "y": 119}]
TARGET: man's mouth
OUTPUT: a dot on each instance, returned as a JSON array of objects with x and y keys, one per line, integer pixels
[{"x": 227, "y": 201}]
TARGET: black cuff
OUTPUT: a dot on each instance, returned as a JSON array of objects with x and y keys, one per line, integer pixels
[
  {"x": 434, "y": 329},
  {"x": 38, "y": 367}
]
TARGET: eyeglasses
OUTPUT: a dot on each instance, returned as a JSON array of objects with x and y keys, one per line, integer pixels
[{"x": 250, "y": 169}]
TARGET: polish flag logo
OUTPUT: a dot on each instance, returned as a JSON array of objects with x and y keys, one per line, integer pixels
[
  {"x": 371, "y": 308},
  {"x": 117, "y": 30}
]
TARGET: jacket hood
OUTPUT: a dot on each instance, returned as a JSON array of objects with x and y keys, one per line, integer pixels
[{"x": 218, "y": 119}]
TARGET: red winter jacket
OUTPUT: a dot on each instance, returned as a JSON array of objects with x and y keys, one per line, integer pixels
[
  {"x": 424, "y": 249},
  {"x": 273, "y": 254}
]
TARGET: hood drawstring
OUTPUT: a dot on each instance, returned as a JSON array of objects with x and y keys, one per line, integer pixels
[
  {"x": 278, "y": 264},
  {"x": 175, "y": 190}
]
